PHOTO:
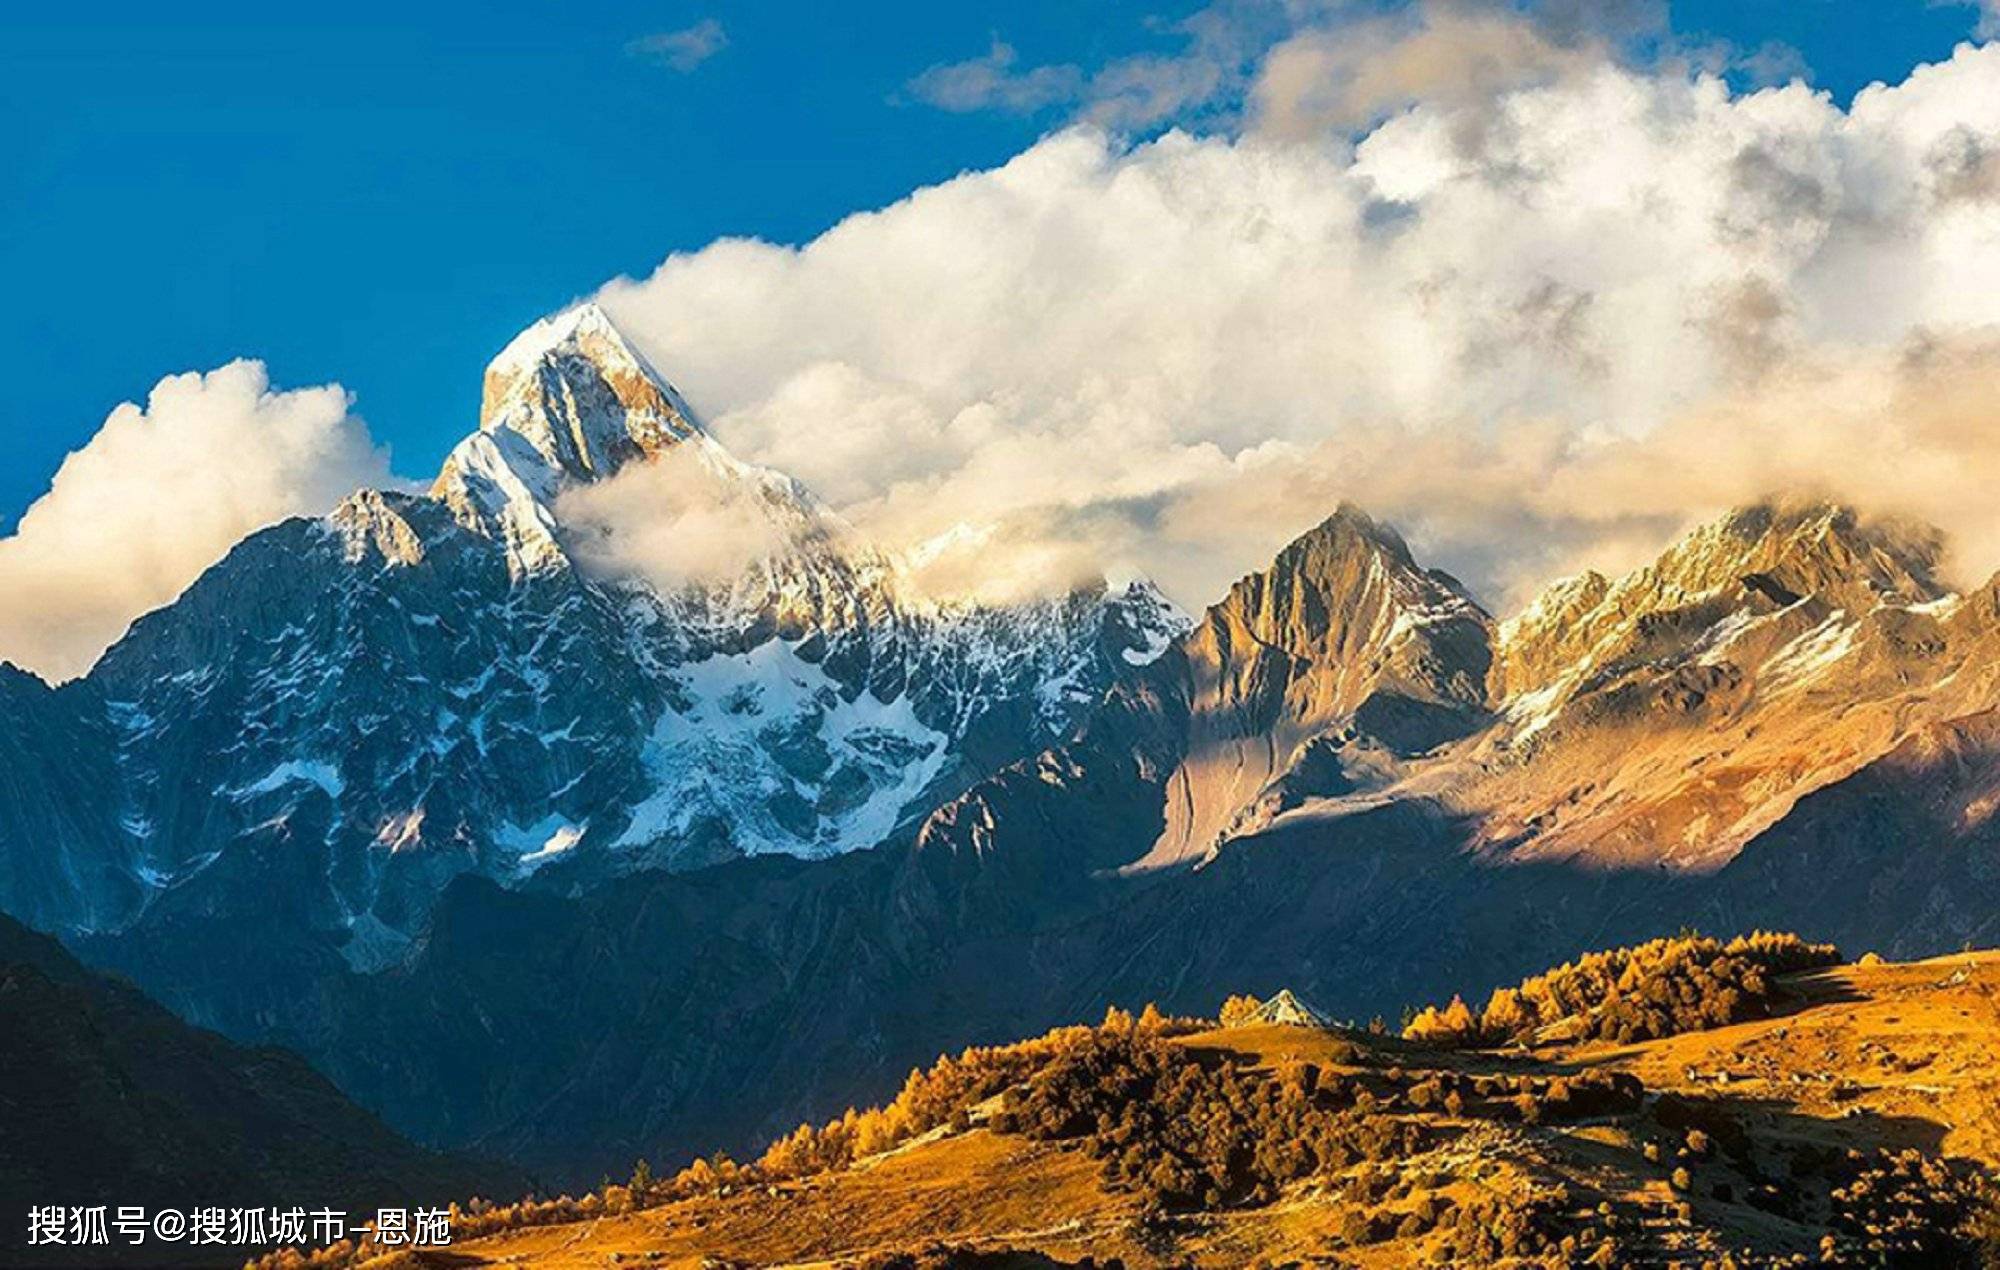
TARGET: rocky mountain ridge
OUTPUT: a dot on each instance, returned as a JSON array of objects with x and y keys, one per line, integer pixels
[
  {"x": 1690, "y": 704},
  {"x": 1344, "y": 645},
  {"x": 347, "y": 712},
  {"x": 1662, "y": 718},
  {"x": 722, "y": 1005}
]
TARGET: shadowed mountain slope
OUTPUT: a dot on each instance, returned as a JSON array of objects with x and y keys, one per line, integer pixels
[{"x": 109, "y": 1099}]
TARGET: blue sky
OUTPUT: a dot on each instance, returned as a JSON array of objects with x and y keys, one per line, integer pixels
[{"x": 382, "y": 200}]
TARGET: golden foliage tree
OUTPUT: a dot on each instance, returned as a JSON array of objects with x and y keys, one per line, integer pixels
[{"x": 1238, "y": 1010}]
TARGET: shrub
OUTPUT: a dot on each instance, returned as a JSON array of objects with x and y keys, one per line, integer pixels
[
  {"x": 1185, "y": 1134},
  {"x": 1656, "y": 989},
  {"x": 1453, "y": 1025},
  {"x": 1905, "y": 1208}
]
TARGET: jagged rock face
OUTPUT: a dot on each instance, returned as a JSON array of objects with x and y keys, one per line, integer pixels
[
  {"x": 1668, "y": 716},
  {"x": 1341, "y": 657},
  {"x": 1320, "y": 678},
  {"x": 1755, "y": 560},
  {"x": 1662, "y": 718},
  {"x": 1342, "y": 614},
  {"x": 568, "y": 401},
  {"x": 1901, "y": 857},
  {"x": 382, "y": 718},
  {"x": 346, "y": 713},
  {"x": 582, "y": 396},
  {"x": 63, "y": 858}
]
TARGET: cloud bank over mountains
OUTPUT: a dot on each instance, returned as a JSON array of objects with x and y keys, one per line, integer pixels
[
  {"x": 1540, "y": 325},
  {"x": 1479, "y": 273}
]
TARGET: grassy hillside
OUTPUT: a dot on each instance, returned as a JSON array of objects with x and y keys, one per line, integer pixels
[{"x": 1855, "y": 1122}]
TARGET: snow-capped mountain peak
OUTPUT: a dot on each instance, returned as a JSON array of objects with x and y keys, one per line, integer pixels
[
  {"x": 533, "y": 673},
  {"x": 582, "y": 395},
  {"x": 566, "y": 327},
  {"x": 1713, "y": 581},
  {"x": 569, "y": 401},
  {"x": 1705, "y": 679},
  {"x": 1153, "y": 620}
]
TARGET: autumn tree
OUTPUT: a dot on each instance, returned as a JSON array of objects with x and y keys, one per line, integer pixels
[
  {"x": 1238, "y": 1010},
  {"x": 1453, "y": 1025}
]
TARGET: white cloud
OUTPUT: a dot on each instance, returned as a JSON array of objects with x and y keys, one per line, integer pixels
[
  {"x": 1212, "y": 55},
  {"x": 1324, "y": 63},
  {"x": 673, "y": 522},
  {"x": 161, "y": 493},
  {"x": 1443, "y": 55},
  {"x": 1536, "y": 306},
  {"x": 992, "y": 83},
  {"x": 682, "y": 50},
  {"x": 1548, "y": 318}
]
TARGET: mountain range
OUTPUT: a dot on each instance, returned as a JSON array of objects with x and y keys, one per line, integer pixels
[
  {"x": 569, "y": 861},
  {"x": 420, "y": 685}
]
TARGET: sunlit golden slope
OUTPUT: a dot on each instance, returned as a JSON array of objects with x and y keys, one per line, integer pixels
[{"x": 1772, "y": 1141}]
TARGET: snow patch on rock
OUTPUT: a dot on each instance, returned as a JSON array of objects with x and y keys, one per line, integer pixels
[{"x": 770, "y": 750}]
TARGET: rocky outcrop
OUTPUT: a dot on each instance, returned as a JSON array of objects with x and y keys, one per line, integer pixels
[{"x": 1344, "y": 647}]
